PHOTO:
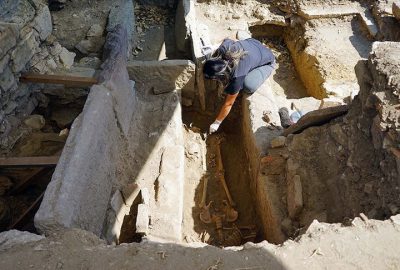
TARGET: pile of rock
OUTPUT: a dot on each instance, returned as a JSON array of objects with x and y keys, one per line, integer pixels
[{"x": 25, "y": 33}]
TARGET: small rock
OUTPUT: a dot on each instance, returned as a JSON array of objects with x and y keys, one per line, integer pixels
[
  {"x": 35, "y": 121},
  {"x": 67, "y": 58},
  {"x": 278, "y": 142},
  {"x": 95, "y": 31},
  {"x": 369, "y": 187}
]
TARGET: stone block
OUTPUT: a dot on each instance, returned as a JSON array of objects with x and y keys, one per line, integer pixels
[
  {"x": 79, "y": 192},
  {"x": 24, "y": 52},
  {"x": 396, "y": 9},
  {"x": 142, "y": 219},
  {"x": 294, "y": 196},
  {"x": 278, "y": 142},
  {"x": 7, "y": 79},
  {"x": 8, "y": 37},
  {"x": 42, "y": 22},
  {"x": 316, "y": 118},
  {"x": 165, "y": 76},
  {"x": 122, "y": 13},
  {"x": 167, "y": 215},
  {"x": 124, "y": 95},
  {"x": 185, "y": 17}
]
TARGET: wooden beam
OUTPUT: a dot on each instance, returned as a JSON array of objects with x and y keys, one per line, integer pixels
[
  {"x": 71, "y": 81},
  {"x": 29, "y": 161}
]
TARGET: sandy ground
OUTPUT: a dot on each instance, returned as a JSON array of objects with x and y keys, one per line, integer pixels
[{"x": 322, "y": 247}]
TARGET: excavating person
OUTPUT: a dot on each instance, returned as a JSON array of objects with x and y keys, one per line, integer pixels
[{"x": 238, "y": 65}]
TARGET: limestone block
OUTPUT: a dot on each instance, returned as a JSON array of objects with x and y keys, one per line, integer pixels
[
  {"x": 7, "y": 79},
  {"x": 165, "y": 76},
  {"x": 8, "y": 37},
  {"x": 124, "y": 95},
  {"x": 396, "y": 9},
  {"x": 142, "y": 219},
  {"x": 278, "y": 142},
  {"x": 79, "y": 192},
  {"x": 13, "y": 238},
  {"x": 122, "y": 13},
  {"x": 42, "y": 22},
  {"x": 168, "y": 213},
  {"x": 24, "y": 52},
  {"x": 294, "y": 196}
]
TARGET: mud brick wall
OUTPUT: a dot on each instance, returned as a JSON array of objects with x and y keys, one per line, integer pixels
[{"x": 24, "y": 25}]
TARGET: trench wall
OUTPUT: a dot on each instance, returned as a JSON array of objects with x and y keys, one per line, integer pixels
[{"x": 25, "y": 44}]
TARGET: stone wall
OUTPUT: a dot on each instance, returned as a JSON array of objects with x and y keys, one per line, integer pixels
[{"x": 25, "y": 43}]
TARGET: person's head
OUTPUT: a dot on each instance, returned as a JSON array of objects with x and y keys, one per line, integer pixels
[{"x": 217, "y": 69}]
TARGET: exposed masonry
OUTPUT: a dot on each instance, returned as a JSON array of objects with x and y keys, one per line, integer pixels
[{"x": 25, "y": 43}]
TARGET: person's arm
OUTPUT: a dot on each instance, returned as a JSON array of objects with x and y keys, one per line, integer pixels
[{"x": 223, "y": 113}]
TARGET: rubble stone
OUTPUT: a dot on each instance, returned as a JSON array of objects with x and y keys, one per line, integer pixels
[
  {"x": 8, "y": 37},
  {"x": 67, "y": 58},
  {"x": 95, "y": 31},
  {"x": 24, "y": 52},
  {"x": 42, "y": 23},
  {"x": 35, "y": 121}
]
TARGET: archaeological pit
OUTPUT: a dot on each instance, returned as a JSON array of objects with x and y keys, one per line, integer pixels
[{"x": 104, "y": 138}]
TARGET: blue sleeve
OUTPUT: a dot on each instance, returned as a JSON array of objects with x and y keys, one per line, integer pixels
[
  {"x": 235, "y": 85},
  {"x": 224, "y": 47}
]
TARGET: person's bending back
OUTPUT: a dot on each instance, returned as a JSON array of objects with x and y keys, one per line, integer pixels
[{"x": 241, "y": 65}]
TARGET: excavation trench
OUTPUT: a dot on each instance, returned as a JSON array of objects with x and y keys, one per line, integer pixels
[{"x": 24, "y": 181}]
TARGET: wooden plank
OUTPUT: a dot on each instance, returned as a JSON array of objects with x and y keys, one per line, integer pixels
[
  {"x": 71, "y": 81},
  {"x": 27, "y": 215},
  {"x": 29, "y": 161}
]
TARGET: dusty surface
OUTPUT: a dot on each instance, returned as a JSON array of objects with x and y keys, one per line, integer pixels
[{"x": 323, "y": 246}]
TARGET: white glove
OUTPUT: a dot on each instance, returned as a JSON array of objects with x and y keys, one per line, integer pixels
[
  {"x": 206, "y": 50},
  {"x": 214, "y": 126}
]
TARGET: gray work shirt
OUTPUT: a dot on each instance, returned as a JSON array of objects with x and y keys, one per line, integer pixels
[{"x": 256, "y": 55}]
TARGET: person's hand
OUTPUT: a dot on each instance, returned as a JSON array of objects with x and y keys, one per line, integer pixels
[
  {"x": 205, "y": 50},
  {"x": 214, "y": 126}
]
